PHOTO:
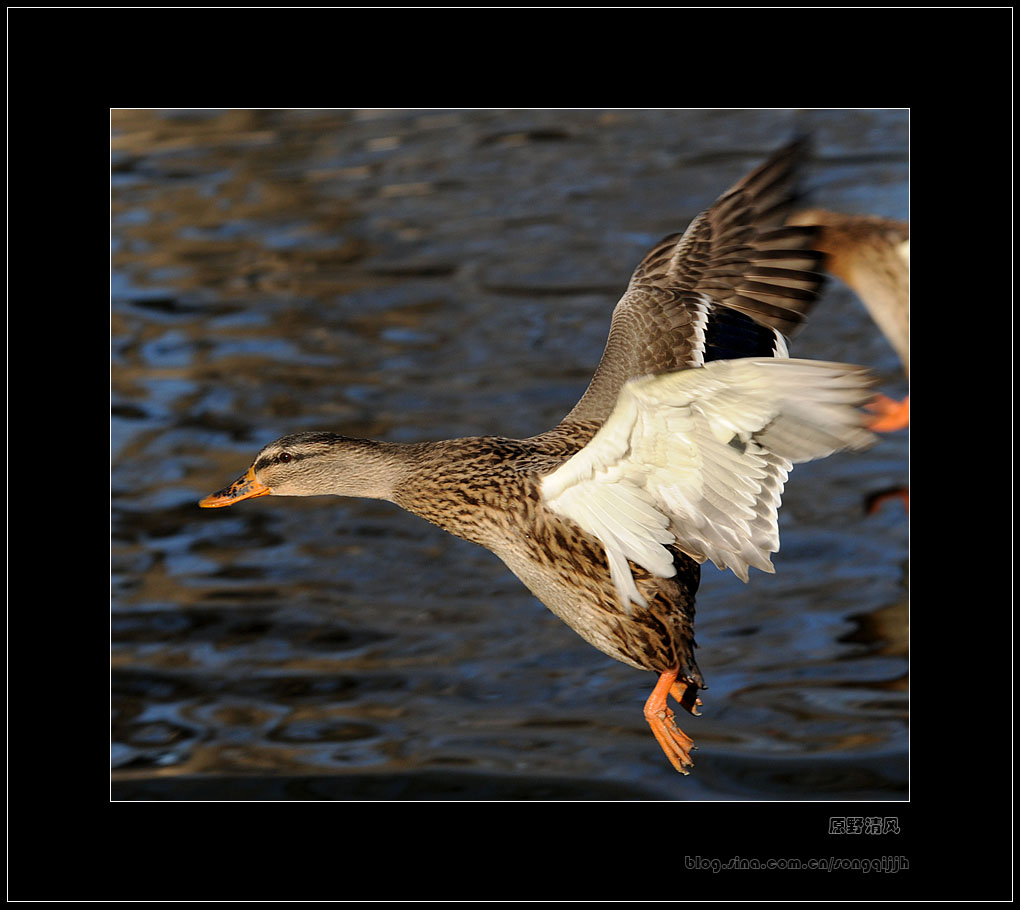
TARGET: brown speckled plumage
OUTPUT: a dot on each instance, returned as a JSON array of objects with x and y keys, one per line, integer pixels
[
  {"x": 486, "y": 490},
  {"x": 869, "y": 254},
  {"x": 727, "y": 288}
]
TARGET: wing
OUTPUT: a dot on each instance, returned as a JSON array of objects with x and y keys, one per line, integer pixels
[
  {"x": 697, "y": 459},
  {"x": 871, "y": 255},
  {"x": 732, "y": 285}
]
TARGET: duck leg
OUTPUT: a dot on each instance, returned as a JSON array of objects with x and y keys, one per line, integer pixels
[
  {"x": 891, "y": 415},
  {"x": 875, "y": 501},
  {"x": 674, "y": 742},
  {"x": 686, "y": 696}
]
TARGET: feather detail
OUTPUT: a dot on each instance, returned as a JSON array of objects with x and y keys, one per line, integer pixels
[
  {"x": 697, "y": 459},
  {"x": 736, "y": 272}
]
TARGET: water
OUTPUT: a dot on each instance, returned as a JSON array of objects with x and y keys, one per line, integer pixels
[{"x": 420, "y": 275}]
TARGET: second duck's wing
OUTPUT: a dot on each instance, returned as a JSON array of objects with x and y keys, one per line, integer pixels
[
  {"x": 732, "y": 285},
  {"x": 871, "y": 255}
]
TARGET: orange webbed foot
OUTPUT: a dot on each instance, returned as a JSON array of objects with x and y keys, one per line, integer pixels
[
  {"x": 890, "y": 414},
  {"x": 676, "y": 744}
]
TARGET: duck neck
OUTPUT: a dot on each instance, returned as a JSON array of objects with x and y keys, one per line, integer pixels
[
  {"x": 458, "y": 485},
  {"x": 364, "y": 468}
]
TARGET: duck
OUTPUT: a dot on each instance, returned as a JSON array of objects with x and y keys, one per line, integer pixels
[
  {"x": 871, "y": 255},
  {"x": 675, "y": 455}
]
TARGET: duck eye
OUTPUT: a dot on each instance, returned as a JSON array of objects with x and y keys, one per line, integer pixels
[{"x": 285, "y": 457}]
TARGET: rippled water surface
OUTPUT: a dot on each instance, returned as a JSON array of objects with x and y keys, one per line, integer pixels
[{"x": 419, "y": 275}]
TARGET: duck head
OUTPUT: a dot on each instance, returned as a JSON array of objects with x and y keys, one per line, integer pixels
[{"x": 313, "y": 464}]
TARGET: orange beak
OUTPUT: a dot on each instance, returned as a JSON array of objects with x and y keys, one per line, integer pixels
[{"x": 246, "y": 487}]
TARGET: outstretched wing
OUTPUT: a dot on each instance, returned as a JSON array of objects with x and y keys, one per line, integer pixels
[
  {"x": 732, "y": 285},
  {"x": 698, "y": 459}
]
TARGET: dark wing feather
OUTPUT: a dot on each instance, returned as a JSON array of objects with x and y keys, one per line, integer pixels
[{"x": 727, "y": 287}]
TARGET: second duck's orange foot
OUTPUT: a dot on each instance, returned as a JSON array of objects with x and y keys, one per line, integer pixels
[
  {"x": 875, "y": 501},
  {"x": 890, "y": 414},
  {"x": 674, "y": 742}
]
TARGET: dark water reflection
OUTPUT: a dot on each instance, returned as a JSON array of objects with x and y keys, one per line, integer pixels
[{"x": 414, "y": 275}]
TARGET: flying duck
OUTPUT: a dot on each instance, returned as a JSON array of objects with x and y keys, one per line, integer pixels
[{"x": 675, "y": 455}]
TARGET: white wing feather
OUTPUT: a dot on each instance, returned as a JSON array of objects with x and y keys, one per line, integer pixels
[{"x": 698, "y": 458}]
